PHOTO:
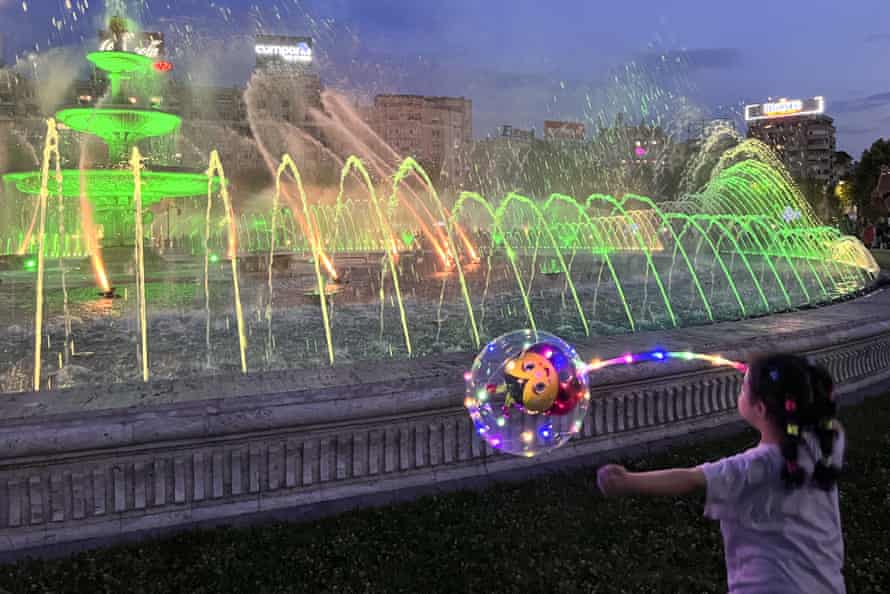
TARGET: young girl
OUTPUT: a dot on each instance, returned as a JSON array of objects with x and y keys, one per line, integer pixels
[{"x": 777, "y": 503}]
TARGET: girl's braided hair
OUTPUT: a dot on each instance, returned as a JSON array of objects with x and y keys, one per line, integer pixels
[{"x": 799, "y": 398}]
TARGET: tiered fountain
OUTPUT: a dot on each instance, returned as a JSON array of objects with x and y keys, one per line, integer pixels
[{"x": 122, "y": 120}]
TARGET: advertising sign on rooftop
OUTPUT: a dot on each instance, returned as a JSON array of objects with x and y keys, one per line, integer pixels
[
  {"x": 275, "y": 48},
  {"x": 784, "y": 108}
]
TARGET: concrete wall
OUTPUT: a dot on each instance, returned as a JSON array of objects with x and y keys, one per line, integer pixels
[{"x": 99, "y": 474}]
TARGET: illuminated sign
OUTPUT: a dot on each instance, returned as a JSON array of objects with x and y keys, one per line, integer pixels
[
  {"x": 287, "y": 49},
  {"x": 784, "y": 108},
  {"x": 150, "y": 45}
]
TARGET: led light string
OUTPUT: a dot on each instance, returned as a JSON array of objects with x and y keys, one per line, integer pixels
[
  {"x": 517, "y": 428},
  {"x": 662, "y": 355}
]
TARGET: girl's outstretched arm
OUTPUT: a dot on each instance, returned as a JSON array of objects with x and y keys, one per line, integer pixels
[{"x": 616, "y": 480}]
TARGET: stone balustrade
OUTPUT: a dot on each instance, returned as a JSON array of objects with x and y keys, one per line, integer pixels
[{"x": 73, "y": 467}]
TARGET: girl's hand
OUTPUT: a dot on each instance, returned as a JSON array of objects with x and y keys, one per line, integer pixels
[{"x": 612, "y": 480}]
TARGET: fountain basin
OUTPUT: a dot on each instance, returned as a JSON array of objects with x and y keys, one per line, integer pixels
[
  {"x": 120, "y": 62},
  {"x": 119, "y": 125},
  {"x": 107, "y": 188}
]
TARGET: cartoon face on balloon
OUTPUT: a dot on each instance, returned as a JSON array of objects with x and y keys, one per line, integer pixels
[{"x": 541, "y": 380}]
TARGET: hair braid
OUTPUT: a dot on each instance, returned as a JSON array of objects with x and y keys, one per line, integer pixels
[
  {"x": 798, "y": 398},
  {"x": 793, "y": 475},
  {"x": 825, "y": 474}
]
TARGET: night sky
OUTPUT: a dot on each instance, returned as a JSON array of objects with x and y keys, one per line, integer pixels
[{"x": 524, "y": 61}]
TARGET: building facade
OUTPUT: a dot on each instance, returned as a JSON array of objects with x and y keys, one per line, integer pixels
[
  {"x": 433, "y": 130},
  {"x": 515, "y": 135},
  {"x": 286, "y": 80},
  {"x": 17, "y": 95},
  {"x": 800, "y": 133},
  {"x": 564, "y": 131}
]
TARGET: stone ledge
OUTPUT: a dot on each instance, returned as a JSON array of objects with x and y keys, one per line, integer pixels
[
  {"x": 79, "y": 433},
  {"x": 77, "y": 477}
]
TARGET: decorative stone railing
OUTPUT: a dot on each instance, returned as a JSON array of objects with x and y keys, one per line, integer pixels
[{"x": 75, "y": 468}]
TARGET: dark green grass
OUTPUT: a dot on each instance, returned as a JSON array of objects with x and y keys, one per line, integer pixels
[{"x": 555, "y": 534}]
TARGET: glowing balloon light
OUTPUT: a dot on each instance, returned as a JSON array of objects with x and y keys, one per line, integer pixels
[
  {"x": 528, "y": 391},
  {"x": 536, "y": 393}
]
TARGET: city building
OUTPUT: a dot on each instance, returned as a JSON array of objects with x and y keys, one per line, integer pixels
[
  {"x": 563, "y": 131},
  {"x": 700, "y": 130},
  {"x": 801, "y": 134},
  {"x": 515, "y": 135},
  {"x": 17, "y": 95},
  {"x": 221, "y": 104},
  {"x": 287, "y": 79},
  {"x": 632, "y": 145},
  {"x": 433, "y": 130}
]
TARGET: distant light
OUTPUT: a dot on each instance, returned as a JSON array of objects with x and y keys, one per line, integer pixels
[
  {"x": 163, "y": 66},
  {"x": 30, "y": 264}
]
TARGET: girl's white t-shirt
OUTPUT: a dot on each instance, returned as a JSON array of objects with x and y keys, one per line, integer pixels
[{"x": 776, "y": 540}]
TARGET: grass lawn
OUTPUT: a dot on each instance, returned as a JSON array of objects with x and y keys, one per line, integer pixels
[{"x": 555, "y": 534}]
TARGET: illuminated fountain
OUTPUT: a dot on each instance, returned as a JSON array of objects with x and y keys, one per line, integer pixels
[
  {"x": 122, "y": 120},
  {"x": 426, "y": 273}
]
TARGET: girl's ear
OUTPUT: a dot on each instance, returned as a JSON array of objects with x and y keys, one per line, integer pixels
[{"x": 759, "y": 409}]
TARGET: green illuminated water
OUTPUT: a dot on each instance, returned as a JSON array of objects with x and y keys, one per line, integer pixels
[{"x": 393, "y": 268}]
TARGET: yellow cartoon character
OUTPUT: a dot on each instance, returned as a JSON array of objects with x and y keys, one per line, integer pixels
[
  {"x": 541, "y": 380},
  {"x": 532, "y": 380}
]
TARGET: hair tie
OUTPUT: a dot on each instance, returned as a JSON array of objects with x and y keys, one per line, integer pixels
[
  {"x": 793, "y": 429},
  {"x": 790, "y": 405}
]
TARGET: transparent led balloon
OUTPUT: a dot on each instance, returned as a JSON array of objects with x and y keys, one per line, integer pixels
[{"x": 527, "y": 393}]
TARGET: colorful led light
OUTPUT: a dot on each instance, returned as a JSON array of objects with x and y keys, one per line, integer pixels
[
  {"x": 532, "y": 434},
  {"x": 630, "y": 358}
]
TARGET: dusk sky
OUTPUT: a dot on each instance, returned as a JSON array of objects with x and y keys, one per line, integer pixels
[{"x": 524, "y": 61}]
